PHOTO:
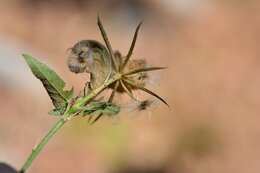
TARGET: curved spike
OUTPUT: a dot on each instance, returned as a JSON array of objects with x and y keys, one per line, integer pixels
[
  {"x": 127, "y": 90},
  {"x": 113, "y": 92},
  {"x": 147, "y": 91},
  {"x": 97, "y": 118},
  {"x": 144, "y": 70},
  {"x": 109, "y": 47},
  {"x": 132, "y": 46}
]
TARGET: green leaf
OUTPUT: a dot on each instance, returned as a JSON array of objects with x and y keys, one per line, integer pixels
[
  {"x": 53, "y": 84},
  {"x": 56, "y": 112},
  {"x": 101, "y": 107}
]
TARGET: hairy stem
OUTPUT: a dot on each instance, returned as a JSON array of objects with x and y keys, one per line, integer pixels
[{"x": 67, "y": 116}]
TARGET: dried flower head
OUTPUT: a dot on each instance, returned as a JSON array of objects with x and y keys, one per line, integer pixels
[{"x": 103, "y": 63}]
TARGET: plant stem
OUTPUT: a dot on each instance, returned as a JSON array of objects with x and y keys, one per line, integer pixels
[
  {"x": 43, "y": 142},
  {"x": 66, "y": 117},
  {"x": 94, "y": 93}
]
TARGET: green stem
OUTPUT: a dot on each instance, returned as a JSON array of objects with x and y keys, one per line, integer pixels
[
  {"x": 94, "y": 93},
  {"x": 43, "y": 142},
  {"x": 67, "y": 116}
]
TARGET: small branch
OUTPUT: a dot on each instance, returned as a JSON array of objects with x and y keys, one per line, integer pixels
[
  {"x": 93, "y": 94},
  {"x": 113, "y": 92},
  {"x": 111, "y": 97}
]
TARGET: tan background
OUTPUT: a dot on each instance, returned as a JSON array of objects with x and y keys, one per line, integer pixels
[{"x": 211, "y": 49}]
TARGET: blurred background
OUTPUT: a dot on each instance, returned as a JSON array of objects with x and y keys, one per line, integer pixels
[{"x": 211, "y": 49}]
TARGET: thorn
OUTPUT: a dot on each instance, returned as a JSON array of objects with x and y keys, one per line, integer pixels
[{"x": 129, "y": 54}]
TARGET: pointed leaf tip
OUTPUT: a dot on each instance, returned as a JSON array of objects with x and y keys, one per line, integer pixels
[{"x": 53, "y": 84}]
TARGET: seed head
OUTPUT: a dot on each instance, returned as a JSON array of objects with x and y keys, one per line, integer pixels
[{"x": 103, "y": 63}]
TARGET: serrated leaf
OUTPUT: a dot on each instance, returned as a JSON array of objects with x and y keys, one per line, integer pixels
[{"x": 53, "y": 84}]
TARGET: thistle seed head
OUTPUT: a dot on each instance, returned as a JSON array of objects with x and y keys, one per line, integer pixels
[
  {"x": 141, "y": 78},
  {"x": 103, "y": 64}
]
